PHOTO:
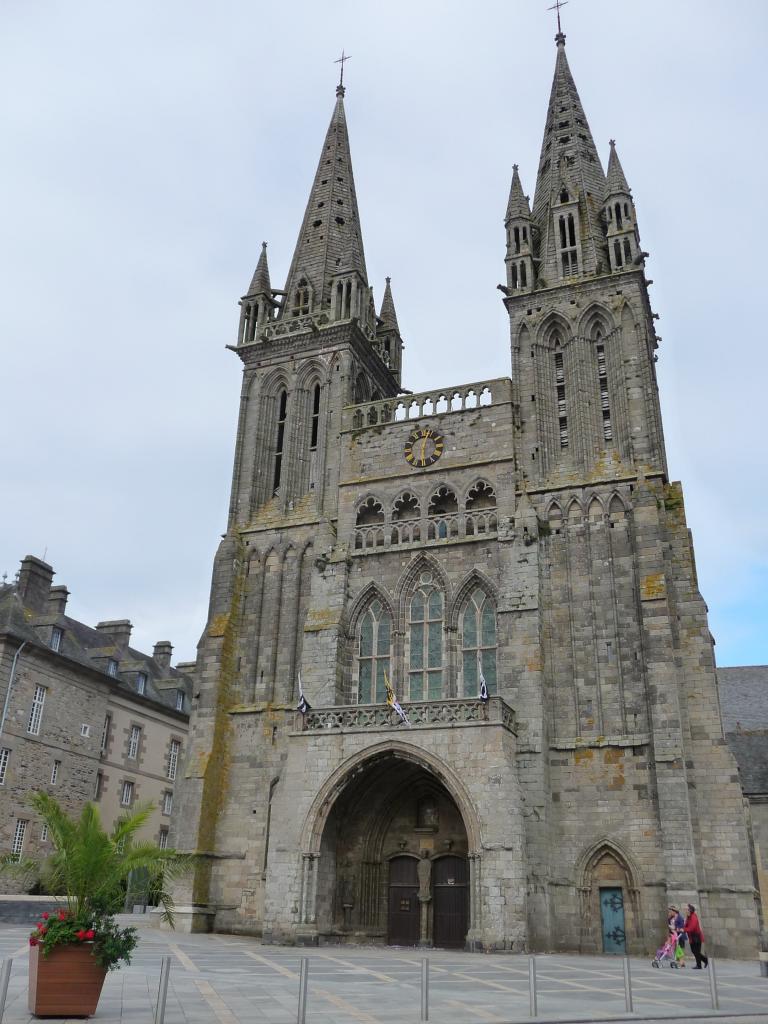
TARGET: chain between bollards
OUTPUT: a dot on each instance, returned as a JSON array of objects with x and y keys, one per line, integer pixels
[
  {"x": 5, "y": 976},
  {"x": 424, "y": 989},
  {"x": 532, "y": 985},
  {"x": 301, "y": 1016},
  {"x": 713, "y": 984},
  {"x": 627, "y": 986},
  {"x": 162, "y": 992}
]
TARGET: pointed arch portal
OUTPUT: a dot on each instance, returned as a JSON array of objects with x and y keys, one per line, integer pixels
[{"x": 393, "y": 862}]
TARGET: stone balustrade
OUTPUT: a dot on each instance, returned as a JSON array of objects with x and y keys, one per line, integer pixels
[
  {"x": 437, "y": 402},
  {"x": 421, "y": 714}
]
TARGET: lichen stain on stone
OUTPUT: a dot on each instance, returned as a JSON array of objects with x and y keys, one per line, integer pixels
[
  {"x": 322, "y": 618},
  {"x": 613, "y": 755},
  {"x": 534, "y": 664},
  {"x": 216, "y": 776},
  {"x": 218, "y": 625},
  {"x": 653, "y": 586},
  {"x": 583, "y": 756}
]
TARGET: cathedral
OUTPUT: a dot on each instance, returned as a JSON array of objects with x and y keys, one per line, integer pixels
[{"x": 511, "y": 557}]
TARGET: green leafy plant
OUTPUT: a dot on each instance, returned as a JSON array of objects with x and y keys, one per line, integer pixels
[{"x": 90, "y": 867}]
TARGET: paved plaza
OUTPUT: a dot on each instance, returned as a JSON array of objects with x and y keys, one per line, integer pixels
[{"x": 226, "y": 979}]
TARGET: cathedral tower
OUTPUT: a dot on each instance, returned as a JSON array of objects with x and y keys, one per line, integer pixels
[{"x": 510, "y": 555}]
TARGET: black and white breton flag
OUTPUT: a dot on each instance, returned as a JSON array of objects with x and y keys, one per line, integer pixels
[
  {"x": 303, "y": 706},
  {"x": 394, "y": 703},
  {"x": 483, "y": 694}
]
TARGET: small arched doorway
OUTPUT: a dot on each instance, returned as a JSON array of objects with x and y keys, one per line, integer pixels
[
  {"x": 393, "y": 863},
  {"x": 610, "y": 911}
]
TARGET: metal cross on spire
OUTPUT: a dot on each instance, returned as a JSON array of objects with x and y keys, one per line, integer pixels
[
  {"x": 556, "y": 7},
  {"x": 341, "y": 60}
]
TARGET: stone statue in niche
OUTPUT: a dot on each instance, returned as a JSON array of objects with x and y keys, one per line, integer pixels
[{"x": 427, "y": 816}]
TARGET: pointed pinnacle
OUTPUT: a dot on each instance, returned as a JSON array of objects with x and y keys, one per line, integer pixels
[
  {"x": 616, "y": 182},
  {"x": 260, "y": 283},
  {"x": 518, "y": 205},
  {"x": 387, "y": 314}
]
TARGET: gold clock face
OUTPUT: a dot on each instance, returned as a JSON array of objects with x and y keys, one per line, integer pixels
[{"x": 423, "y": 447}]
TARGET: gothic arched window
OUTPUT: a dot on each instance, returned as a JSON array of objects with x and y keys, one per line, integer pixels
[
  {"x": 315, "y": 417},
  {"x": 425, "y": 621},
  {"x": 282, "y": 412},
  {"x": 373, "y": 644},
  {"x": 478, "y": 643}
]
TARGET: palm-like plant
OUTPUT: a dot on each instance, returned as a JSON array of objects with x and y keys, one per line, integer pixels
[{"x": 90, "y": 866}]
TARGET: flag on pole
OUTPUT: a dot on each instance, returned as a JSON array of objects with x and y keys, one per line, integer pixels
[
  {"x": 483, "y": 694},
  {"x": 303, "y": 706},
  {"x": 394, "y": 703}
]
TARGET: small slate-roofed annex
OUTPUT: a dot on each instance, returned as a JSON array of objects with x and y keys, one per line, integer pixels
[{"x": 523, "y": 529}]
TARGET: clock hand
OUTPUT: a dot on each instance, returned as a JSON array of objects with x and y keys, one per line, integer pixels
[{"x": 423, "y": 451}]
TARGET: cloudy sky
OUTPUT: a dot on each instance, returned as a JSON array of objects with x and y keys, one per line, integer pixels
[{"x": 149, "y": 147}]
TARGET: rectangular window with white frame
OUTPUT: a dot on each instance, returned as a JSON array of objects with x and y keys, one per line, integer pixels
[
  {"x": 162, "y": 842},
  {"x": 5, "y": 756},
  {"x": 36, "y": 712},
  {"x": 134, "y": 742},
  {"x": 141, "y": 683},
  {"x": 167, "y": 802},
  {"x": 85, "y": 730},
  {"x": 44, "y": 834},
  {"x": 179, "y": 700},
  {"x": 18, "y": 839},
  {"x": 126, "y": 796},
  {"x": 112, "y": 667},
  {"x": 55, "y": 772},
  {"x": 56, "y": 635},
  {"x": 173, "y": 759}
]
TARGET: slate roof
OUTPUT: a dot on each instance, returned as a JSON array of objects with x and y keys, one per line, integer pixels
[
  {"x": 744, "y": 705},
  {"x": 93, "y": 648}
]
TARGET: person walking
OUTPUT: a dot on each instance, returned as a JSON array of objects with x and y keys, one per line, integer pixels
[{"x": 695, "y": 937}]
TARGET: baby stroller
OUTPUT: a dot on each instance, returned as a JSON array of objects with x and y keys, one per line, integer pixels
[{"x": 667, "y": 952}]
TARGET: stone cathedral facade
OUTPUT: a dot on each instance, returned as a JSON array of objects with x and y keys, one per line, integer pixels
[{"x": 523, "y": 528}]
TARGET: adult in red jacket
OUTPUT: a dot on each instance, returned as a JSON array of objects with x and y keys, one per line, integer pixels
[{"x": 695, "y": 937}]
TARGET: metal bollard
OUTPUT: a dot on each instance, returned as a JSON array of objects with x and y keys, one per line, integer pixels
[
  {"x": 424, "y": 989},
  {"x": 301, "y": 1016},
  {"x": 532, "y": 985},
  {"x": 5, "y": 977},
  {"x": 162, "y": 992},
  {"x": 713, "y": 984},
  {"x": 627, "y": 986}
]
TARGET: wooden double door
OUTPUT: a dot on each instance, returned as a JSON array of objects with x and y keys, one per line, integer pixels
[{"x": 449, "y": 912}]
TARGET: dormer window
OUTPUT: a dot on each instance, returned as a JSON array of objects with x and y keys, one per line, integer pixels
[
  {"x": 569, "y": 255},
  {"x": 112, "y": 667},
  {"x": 56, "y": 637},
  {"x": 141, "y": 683},
  {"x": 179, "y": 700}
]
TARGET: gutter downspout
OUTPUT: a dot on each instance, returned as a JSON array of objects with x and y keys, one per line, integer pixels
[{"x": 10, "y": 684}]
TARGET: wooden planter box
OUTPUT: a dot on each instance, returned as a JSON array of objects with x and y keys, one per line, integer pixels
[{"x": 67, "y": 983}]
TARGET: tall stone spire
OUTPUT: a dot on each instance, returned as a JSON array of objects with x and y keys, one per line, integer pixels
[
  {"x": 387, "y": 315},
  {"x": 260, "y": 282},
  {"x": 569, "y": 172},
  {"x": 330, "y": 240},
  {"x": 518, "y": 205},
  {"x": 616, "y": 182}
]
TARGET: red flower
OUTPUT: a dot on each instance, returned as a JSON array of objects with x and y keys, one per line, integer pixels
[
  {"x": 33, "y": 941},
  {"x": 62, "y": 915},
  {"x": 90, "y": 934},
  {"x": 45, "y": 915},
  {"x": 42, "y": 930},
  {"x": 80, "y": 935}
]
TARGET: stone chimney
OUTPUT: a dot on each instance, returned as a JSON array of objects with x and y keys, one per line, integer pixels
[
  {"x": 35, "y": 579},
  {"x": 162, "y": 653},
  {"x": 118, "y": 630},
  {"x": 57, "y": 600}
]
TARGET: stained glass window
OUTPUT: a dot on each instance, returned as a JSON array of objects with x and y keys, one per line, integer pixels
[
  {"x": 425, "y": 672},
  {"x": 478, "y": 637},
  {"x": 374, "y": 640}
]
